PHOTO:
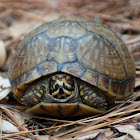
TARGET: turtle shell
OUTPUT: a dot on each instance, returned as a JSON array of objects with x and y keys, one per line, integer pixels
[{"x": 79, "y": 46}]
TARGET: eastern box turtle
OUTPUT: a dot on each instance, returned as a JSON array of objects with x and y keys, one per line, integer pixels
[{"x": 70, "y": 67}]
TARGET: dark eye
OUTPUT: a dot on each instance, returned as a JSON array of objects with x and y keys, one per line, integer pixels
[
  {"x": 68, "y": 78},
  {"x": 56, "y": 86},
  {"x": 53, "y": 79}
]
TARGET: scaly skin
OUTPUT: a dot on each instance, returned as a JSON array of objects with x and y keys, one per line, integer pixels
[{"x": 92, "y": 96}]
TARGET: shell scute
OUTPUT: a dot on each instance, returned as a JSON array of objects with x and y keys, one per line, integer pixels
[
  {"x": 75, "y": 69},
  {"x": 62, "y": 51}
]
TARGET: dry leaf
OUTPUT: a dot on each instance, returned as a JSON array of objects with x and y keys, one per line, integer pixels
[
  {"x": 46, "y": 137},
  {"x": 4, "y": 87},
  {"x": 19, "y": 117},
  {"x": 4, "y": 93},
  {"x": 8, "y": 127},
  {"x": 129, "y": 129},
  {"x": 4, "y": 83},
  {"x": 125, "y": 137},
  {"x": 101, "y": 136},
  {"x": 2, "y": 53}
]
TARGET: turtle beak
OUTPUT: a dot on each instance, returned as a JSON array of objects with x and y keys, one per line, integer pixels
[{"x": 60, "y": 83}]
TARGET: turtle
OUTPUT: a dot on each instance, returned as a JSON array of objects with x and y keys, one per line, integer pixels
[{"x": 72, "y": 66}]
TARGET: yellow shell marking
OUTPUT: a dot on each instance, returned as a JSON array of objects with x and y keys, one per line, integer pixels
[
  {"x": 41, "y": 91},
  {"x": 96, "y": 54},
  {"x": 101, "y": 44},
  {"x": 86, "y": 97},
  {"x": 102, "y": 60},
  {"x": 93, "y": 65},
  {"x": 116, "y": 62},
  {"x": 35, "y": 99},
  {"x": 38, "y": 94},
  {"x": 87, "y": 56},
  {"x": 106, "y": 50},
  {"x": 94, "y": 43},
  {"x": 81, "y": 93},
  {"x": 61, "y": 52},
  {"x": 107, "y": 72}
]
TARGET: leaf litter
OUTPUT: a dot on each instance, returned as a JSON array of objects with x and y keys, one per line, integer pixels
[{"x": 20, "y": 17}]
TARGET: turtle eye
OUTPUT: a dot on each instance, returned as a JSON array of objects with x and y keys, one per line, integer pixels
[
  {"x": 53, "y": 78},
  {"x": 68, "y": 77}
]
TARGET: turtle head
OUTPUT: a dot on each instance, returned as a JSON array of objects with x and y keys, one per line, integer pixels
[{"x": 61, "y": 86}]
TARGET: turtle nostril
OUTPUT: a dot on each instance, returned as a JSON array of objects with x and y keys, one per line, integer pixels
[
  {"x": 61, "y": 91},
  {"x": 56, "y": 86}
]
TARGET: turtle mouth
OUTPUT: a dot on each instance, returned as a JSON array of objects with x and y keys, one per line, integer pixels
[
  {"x": 61, "y": 86},
  {"x": 61, "y": 93}
]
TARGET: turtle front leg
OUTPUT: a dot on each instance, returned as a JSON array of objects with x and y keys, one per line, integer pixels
[
  {"x": 92, "y": 96},
  {"x": 34, "y": 93}
]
